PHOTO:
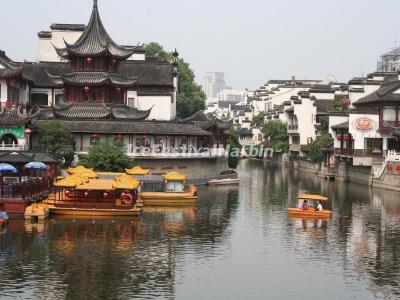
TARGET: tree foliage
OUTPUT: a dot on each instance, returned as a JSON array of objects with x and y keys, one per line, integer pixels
[
  {"x": 258, "y": 120},
  {"x": 56, "y": 140},
  {"x": 190, "y": 97},
  {"x": 276, "y": 136},
  {"x": 316, "y": 148},
  {"x": 336, "y": 105},
  {"x": 108, "y": 156},
  {"x": 234, "y": 150}
]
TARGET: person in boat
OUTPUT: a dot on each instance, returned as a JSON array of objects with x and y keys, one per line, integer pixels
[
  {"x": 319, "y": 206},
  {"x": 305, "y": 205}
]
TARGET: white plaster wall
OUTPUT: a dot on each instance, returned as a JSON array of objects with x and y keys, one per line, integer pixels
[
  {"x": 46, "y": 49},
  {"x": 162, "y": 109},
  {"x": 333, "y": 121},
  {"x": 137, "y": 56},
  {"x": 359, "y": 135},
  {"x": 325, "y": 96},
  {"x": 3, "y": 95},
  {"x": 305, "y": 113}
]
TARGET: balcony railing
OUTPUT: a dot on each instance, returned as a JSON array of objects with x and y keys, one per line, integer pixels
[
  {"x": 294, "y": 147},
  {"x": 12, "y": 147},
  {"x": 170, "y": 153},
  {"x": 358, "y": 152}
]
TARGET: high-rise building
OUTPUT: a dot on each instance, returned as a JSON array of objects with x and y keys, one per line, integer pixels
[{"x": 213, "y": 83}]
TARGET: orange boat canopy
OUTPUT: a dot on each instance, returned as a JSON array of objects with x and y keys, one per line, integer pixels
[
  {"x": 124, "y": 185},
  {"x": 137, "y": 171},
  {"x": 174, "y": 176},
  {"x": 312, "y": 197}
]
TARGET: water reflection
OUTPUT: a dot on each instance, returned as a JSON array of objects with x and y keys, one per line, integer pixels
[
  {"x": 85, "y": 258},
  {"x": 236, "y": 243}
]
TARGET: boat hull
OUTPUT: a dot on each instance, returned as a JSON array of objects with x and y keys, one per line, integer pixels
[
  {"x": 154, "y": 198},
  {"x": 165, "y": 198},
  {"x": 224, "y": 182},
  {"x": 311, "y": 213},
  {"x": 94, "y": 212}
]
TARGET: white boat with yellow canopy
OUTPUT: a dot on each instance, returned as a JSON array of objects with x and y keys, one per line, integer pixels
[
  {"x": 308, "y": 207},
  {"x": 174, "y": 192},
  {"x": 82, "y": 193}
]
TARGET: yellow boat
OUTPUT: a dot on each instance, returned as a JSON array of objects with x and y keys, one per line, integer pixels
[
  {"x": 78, "y": 195},
  {"x": 174, "y": 192},
  {"x": 311, "y": 212}
]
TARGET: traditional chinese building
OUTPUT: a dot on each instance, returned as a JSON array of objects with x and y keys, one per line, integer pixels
[{"x": 102, "y": 90}]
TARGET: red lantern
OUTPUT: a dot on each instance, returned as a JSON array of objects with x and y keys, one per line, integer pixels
[
  {"x": 390, "y": 168},
  {"x": 346, "y": 138},
  {"x": 105, "y": 195},
  {"x": 86, "y": 194},
  {"x": 88, "y": 60},
  {"x": 66, "y": 192},
  {"x": 120, "y": 137},
  {"x": 118, "y": 89},
  {"x": 398, "y": 168},
  {"x": 28, "y": 132},
  {"x": 339, "y": 138},
  {"x": 87, "y": 89},
  {"x": 113, "y": 61}
]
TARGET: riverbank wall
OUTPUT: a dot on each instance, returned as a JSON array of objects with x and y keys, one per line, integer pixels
[
  {"x": 343, "y": 171},
  {"x": 198, "y": 170}
]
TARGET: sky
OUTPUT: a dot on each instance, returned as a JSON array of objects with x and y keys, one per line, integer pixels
[{"x": 251, "y": 41}]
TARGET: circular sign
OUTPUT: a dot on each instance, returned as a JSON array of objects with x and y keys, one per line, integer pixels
[{"x": 364, "y": 124}]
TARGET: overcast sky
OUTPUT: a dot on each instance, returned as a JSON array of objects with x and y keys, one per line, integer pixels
[{"x": 251, "y": 41}]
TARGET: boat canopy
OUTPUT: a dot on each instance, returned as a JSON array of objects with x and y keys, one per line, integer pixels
[
  {"x": 127, "y": 178},
  {"x": 81, "y": 170},
  {"x": 137, "y": 171},
  {"x": 97, "y": 185},
  {"x": 312, "y": 197},
  {"x": 123, "y": 185},
  {"x": 65, "y": 183},
  {"x": 174, "y": 176}
]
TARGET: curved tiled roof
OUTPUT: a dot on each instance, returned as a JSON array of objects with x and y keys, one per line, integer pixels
[
  {"x": 95, "y": 41},
  {"x": 95, "y": 111},
  {"x": 95, "y": 78},
  {"x": 206, "y": 121},
  {"x": 128, "y": 127},
  {"x": 8, "y": 68},
  {"x": 386, "y": 93},
  {"x": 13, "y": 117}
]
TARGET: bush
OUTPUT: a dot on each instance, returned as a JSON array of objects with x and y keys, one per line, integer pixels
[
  {"x": 276, "y": 135},
  {"x": 234, "y": 150},
  {"x": 315, "y": 152},
  {"x": 108, "y": 156}
]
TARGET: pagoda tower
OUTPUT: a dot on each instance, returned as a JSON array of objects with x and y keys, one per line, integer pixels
[{"x": 95, "y": 59}]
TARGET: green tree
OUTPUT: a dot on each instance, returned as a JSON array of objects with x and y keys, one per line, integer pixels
[
  {"x": 258, "y": 120},
  {"x": 276, "y": 136},
  {"x": 190, "y": 97},
  {"x": 315, "y": 151},
  {"x": 234, "y": 150},
  {"x": 108, "y": 156},
  {"x": 56, "y": 140}
]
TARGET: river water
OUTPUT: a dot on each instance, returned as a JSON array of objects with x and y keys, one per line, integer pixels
[{"x": 237, "y": 243}]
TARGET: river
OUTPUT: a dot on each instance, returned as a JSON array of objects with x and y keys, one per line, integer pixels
[{"x": 237, "y": 243}]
